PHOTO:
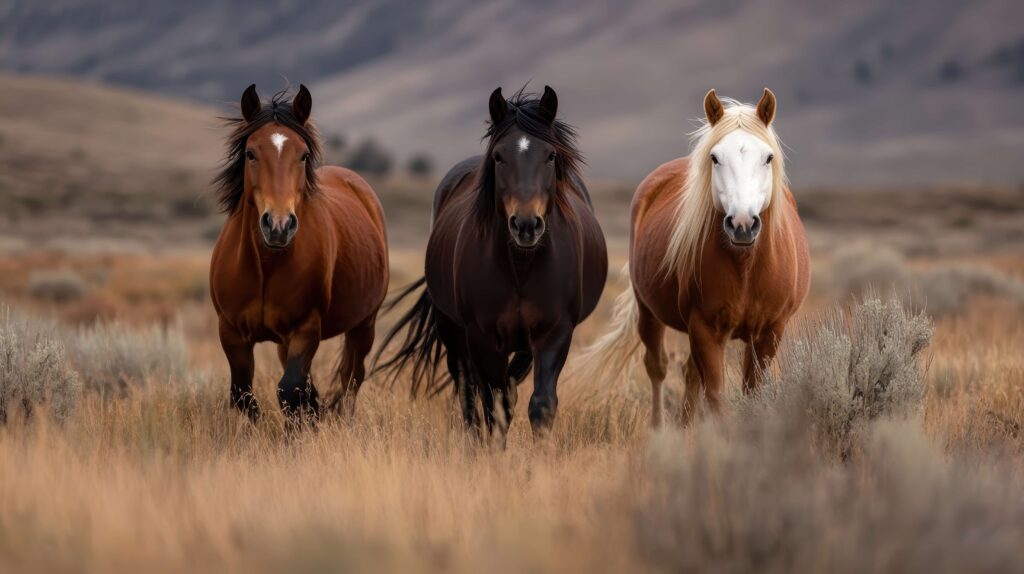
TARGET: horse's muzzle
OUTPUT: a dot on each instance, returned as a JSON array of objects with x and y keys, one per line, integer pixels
[
  {"x": 742, "y": 231},
  {"x": 526, "y": 230},
  {"x": 278, "y": 232}
]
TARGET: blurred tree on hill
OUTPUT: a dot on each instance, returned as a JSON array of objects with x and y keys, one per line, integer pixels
[{"x": 420, "y": 165}]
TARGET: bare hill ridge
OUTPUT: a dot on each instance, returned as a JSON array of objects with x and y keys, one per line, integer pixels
[{"x": 871, "y": 93}]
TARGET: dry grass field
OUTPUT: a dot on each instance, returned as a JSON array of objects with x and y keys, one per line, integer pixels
[
  {"x": 144, "y": 465},
  {"x": 888, "y": 439}
]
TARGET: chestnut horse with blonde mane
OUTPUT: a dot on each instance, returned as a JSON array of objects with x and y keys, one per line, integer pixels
[
  {"x": 717, "y": 251},
  {"x": 302, "y": 256}
]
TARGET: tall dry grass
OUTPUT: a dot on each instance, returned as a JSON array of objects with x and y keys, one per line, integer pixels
[{"x": 860, "y": 455}]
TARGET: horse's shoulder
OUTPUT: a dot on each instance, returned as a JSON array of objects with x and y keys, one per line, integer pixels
[{"x": 662, "y": 184}]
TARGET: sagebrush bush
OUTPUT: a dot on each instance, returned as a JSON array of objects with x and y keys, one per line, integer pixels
[
  {"x": 771, "y": 487},
  {"x": 58, "y": 286},
  {"x": 34, "y": 369},
  {"x": 111, "y": 356},
  {"x": 720, "y": 503},
  {"x": 836, "y": 377}
]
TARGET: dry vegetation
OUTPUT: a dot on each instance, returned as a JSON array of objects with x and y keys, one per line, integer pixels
[{"x": 869, "y": 449}]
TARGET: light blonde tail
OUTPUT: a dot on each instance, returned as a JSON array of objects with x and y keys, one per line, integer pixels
[{"x": 616, "y": 350}]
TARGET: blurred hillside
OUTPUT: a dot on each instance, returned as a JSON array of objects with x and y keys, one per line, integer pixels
[
  {"x": 94, "y": 168},
  {"x": 871, "y": 93}
]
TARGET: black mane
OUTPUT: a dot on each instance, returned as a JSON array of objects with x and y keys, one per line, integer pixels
[
  {"x": 524, "y": 113},
  {"x": 230, "y": 181}
]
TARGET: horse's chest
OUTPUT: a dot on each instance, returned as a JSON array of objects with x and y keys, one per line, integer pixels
[
  {"x": 512, "y": 324},
  {"x": 745, "y": 305}
]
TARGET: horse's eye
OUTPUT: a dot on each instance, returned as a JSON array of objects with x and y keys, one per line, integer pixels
[
  {"x": 714, "y": 159},
  {"x": 551, "y": 157},
  {"x": 249, "y": 155},
  {"x": 770, "y": 158},
  {"x": 305, "y": 157},
  {"x": 498, "y": 158}
]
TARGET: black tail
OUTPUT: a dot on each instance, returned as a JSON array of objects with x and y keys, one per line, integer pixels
[{"x": 421, "y": 346}]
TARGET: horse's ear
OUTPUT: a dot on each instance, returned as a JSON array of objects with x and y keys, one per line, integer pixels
[
  {"x": 549, "y": 104},
  {"x": 250, "y": 103},
  {"x": 302, "y": 105},
  {"x": 498, "y": 106},
  {"x": 713, "y": 109},
  {"x": 766, "y": 107}
]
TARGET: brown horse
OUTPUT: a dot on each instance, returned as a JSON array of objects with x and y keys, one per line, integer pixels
[
  {"x": 515, "y": 261},
  {"x": 717, "y": 251},
  {"x": 302, "y": 256}
]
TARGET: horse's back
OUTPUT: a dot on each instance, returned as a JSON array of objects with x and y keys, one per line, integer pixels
[
  {"x": 660, "y": 189},
  {"x": 457, "y": 178},
  {"x": 347, "y": 189},
  {"x": 652, "y": 219}
]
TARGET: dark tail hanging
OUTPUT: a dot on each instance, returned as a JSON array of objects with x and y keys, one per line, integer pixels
[{"x": 421, "y": 347}]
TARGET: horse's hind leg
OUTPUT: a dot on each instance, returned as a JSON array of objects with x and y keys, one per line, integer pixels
[
  {"x": 296, "y": 394},
  {"x": 453, "y": 338},
  {"x": 352, "y": 369},
  {"x": 652, "y": 334},
  {"x": 490, "y": 371},
  {"x": 242, "y": 364}
]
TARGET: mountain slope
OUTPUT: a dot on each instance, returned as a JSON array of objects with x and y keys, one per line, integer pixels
[{"x": 870, "y": 92}]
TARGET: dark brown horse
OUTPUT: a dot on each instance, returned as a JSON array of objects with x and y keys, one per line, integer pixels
[
  {"x": 717, "y": 251},
  {"x": 302, "y": 256},
  {"x": 515, "y": 261}
]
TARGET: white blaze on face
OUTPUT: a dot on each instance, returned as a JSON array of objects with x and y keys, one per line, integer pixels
[
  {"x": 524, "y": 144},
  {"x": 278, "y": 141},
  {"x": 742, "y": 180}
]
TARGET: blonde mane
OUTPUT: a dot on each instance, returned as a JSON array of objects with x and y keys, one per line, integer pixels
[{"x": 695, "y": 213}]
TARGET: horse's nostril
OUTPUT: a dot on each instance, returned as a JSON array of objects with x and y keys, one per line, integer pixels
[
  {"x": 728, "y": 223},
  {"x": 293, "y": 223},
  {"x": 265, "y": 222},
  {"x": 756, "y": 225},
  {"x": 513, "y": 222}
]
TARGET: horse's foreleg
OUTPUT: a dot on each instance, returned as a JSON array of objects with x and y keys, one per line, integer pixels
[
  {"x": 759, "y": 355},
  {"x": 691, "y": 379},
  {"x": 242, "y": 364},
  {"x": 707, "y": 350},
  {"x": 352, "y": 371},
  {"x": 652, "y": 334},
  {"x": 549, "y": 352},
  {"x": 296, "y": 393}
]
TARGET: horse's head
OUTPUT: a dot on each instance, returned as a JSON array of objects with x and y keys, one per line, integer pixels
[
  {"x": 524, "y": 153},
  {"x": 279, "y": 157},
  {"x": 743, "y": 176}
]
